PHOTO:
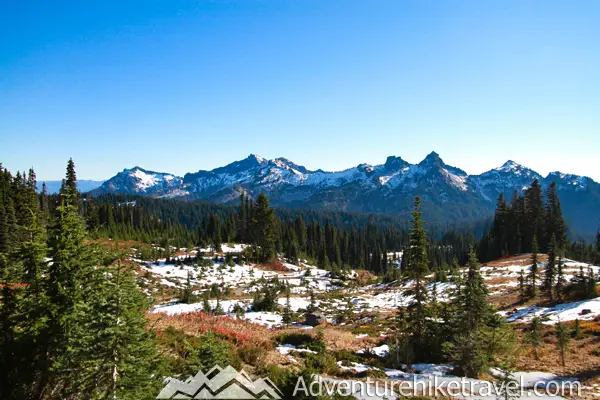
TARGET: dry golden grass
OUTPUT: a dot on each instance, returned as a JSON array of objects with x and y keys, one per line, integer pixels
[
  {"x": 582, "y": 356},
  {"x": 339, "y": 339},
  {"x": 499, "y": 280},
  {"x": 363, "y": 277},
  {"x": 521, "y": 259},
  {"x": 235, "y": 331}
]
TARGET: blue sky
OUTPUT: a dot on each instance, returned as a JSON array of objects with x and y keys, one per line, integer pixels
[{"x": 179, "y": 86}]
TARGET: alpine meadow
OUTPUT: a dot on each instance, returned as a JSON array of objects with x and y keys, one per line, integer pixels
[{"x": 147, "y": 250}]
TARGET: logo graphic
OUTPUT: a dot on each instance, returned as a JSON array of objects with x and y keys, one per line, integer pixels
[{"x": 219, "y": 383}]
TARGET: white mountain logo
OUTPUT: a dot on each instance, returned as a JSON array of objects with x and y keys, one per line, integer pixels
[{"x": 225, "y": 384}]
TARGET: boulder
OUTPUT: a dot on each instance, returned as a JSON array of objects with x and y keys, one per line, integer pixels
[
  {"x": 314, "y": 318},
  {"x": 585, "y": 311}
]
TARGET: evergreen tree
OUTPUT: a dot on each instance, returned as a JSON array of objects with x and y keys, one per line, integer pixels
[
  {"x": 300, "y": 229},
  {"x": 206, "y": 304},
  {"x": 516, "y": 223},
  {"x": 187, "y": 295},
  {"x": 555, "y": 224},
  {"x": 550, "y": 271},
  {"x": 533, "y": 270},
  {"x": 471, "y": 299},
  {"x": 534, "y": 335},
  {"x": 82, "y": 328},
  {"x": 509, "y": 386},
  {"x": 44, "y": 201},
  {"x": 287, "y": 311},
  {"x": 218, "y": 308},
  {"x": 472, "y": 314},
  {"x": 242, "y": 225},
  {"x": 264, "y": 228},
  {"x": 113, "y": 350},
  {"x": 534, "y": 215},
  {"x": 591, "y": 292},
  {"x": 562, "y": 341},
  {"x": 500, "y": 228},
  {"x": 417, "y": 269},
  {"x": 560, "y": 278},
  {"x": 312, "y": 306},
  {"x": 9, "y": 352},
  {"x": 72, "y": 269},
  {"x": 577, "y": 330},
  {"x": 69, "y": 184},
  {"x": 214, "y": 231},
  {"x": 522, "y": 287}
]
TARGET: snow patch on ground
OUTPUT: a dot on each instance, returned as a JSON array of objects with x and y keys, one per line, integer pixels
[{"x": 559, "y": 313}]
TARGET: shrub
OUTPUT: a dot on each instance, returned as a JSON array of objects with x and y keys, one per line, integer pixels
[
  {"x": 214, "y": 351},
  {"x": 238, "y": 310},
  {"x": 190, "y": 354},
  {"x": 265, "y": 299},
  {"x": 251, "y": 354},
  {"x": 295, "y": 339},
  {"x": 320, "y": 363},
  {"x": 346, "y": 357},
  {"x": 238, "y": 332},
  {"x": 302, "y": 340},
  {"x": 372, "y": 373}
]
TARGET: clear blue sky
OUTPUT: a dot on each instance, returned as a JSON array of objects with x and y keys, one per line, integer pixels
[{"x": 179, "y": 86}]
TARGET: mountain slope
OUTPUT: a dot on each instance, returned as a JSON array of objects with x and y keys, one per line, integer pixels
[
  {"x": 140, "y": 181},
  {"x": 448, "y": 193}
]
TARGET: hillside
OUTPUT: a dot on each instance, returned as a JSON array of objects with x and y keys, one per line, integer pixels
[{"x": 360, "y": 315}]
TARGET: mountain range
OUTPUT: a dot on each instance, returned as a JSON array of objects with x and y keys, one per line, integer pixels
[{"x": 448, "y": 194}]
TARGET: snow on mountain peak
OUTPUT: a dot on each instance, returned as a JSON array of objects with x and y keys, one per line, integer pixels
[
  {"x": 256, "y": 158},
  {"x": 510, "y": 166},
  {"x": 290, "y": 182},
  {"x": 579, "y": 182}
]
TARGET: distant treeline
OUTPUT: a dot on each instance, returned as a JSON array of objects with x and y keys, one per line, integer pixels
[{"x": 330, "y": 239}]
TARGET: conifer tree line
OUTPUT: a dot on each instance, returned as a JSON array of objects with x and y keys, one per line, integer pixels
[
  {"x": 344, "y": 241},
  {"x": 72, "y": 322},
  {"x": 531, "y": 221}
]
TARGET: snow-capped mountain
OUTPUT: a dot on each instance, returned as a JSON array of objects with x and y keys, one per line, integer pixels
[
  {"x": 504, "y": 179},
  {"x": 140, "y": 181},
  {"x": 448, "y": 193}
]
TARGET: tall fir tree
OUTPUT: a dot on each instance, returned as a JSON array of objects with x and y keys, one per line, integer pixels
[
  {"x": 472, "y": 313},
  {"x": 560, "y": 277},
  {"x": 534, "y": 215},
  {"x": 110, "y": 346},
  {"x": 555, "y": 224},
  {"x": 500, "y": 228},
  {"x": 563, "y": 337},
  {"x": 522, "y": 287},
  {"x": 550, "y": 270},
  {"x": 534, "y": 336},
  {"x": 417, "y": 269},
  {"x": 532, "y": 289},
  {"x": 264, "y": 227}
]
